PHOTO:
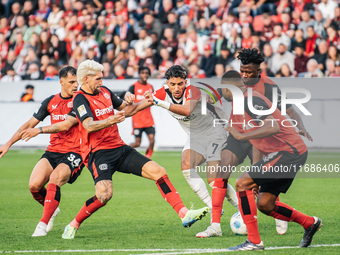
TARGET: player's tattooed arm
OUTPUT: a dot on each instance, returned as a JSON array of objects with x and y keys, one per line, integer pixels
[
  {"x": 132, "y": 109},
  {"x": 95, "y": 125},
  {"x": 32, "y": 122},
  {"x": 294, "y": 115},
  {"x": 270, "y": 127},
  {"x": 62, "y": 126}
]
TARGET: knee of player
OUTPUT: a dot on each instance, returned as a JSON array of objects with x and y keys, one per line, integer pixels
[
  {"x": 264, "y": 206},
  {"x": 104, "y": 196},
  {"x": 33, "y": 187},
  {"x": 241, "y": 185}
]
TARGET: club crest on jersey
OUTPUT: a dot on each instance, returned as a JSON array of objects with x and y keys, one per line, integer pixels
[
  {"x": 70, "y": 104},
  {"x": 81, "y": 110},
  {"x": 106, "y": 95},
  {"x": 103, "y": 167}
]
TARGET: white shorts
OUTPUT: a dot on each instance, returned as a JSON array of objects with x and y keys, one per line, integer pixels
[{"x": 209, "y": 146}]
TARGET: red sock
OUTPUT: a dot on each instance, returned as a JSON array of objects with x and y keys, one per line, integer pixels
[
  {"x": 90, "y": 206},
  {"x": 285, "y": 212},
  {"x": 278, "y": 199},
  {"x": 39, "y": 196},
  {"x": 51, "y": 202},
  {"x": 248, "y": 211},
  {"x": 218, "y": 194},
  {"x": 169, "y": 193},
  {"x": 148, "y": 153}
]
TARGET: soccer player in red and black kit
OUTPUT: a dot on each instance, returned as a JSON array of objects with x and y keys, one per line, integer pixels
[
  {"x": 236, "y": 151},
  {"x": 104, "y": 152},
  {"x": 61, "y": 162},
  {"x": 284, "y": 153},
  {"x": 143, "y": 121}
]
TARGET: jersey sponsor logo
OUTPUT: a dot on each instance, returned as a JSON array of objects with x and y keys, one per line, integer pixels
[
  {"x": 106, "y": 95},
  {"x": 139, "y": 97},
  {"x": 81, "y": 110},
  {"x": 139, "y": 91},
  {"x": 58, "y": 116},
  {"x": 70, "y": 104},
  {"x": 107, "y": 110},
  {"x": 54, "y": 107},
  {"x": 103, "y": 167}
]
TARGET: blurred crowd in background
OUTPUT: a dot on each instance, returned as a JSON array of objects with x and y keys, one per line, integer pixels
[{"x": 38, "y": 37}]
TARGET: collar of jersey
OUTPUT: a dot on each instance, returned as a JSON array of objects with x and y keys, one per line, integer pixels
[{"x": 64, "y": 97}]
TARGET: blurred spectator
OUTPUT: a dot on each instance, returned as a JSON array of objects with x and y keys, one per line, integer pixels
[
  {"x": 279, "y": 38},
  {"x": 28, "y": 95},
  {"x": 298, "y": 40},
  {"x": 247, "y": 39},
  {"x": 33, "y": 72},
  {"x": 16, "y": 9},
  {"x": 219, "y": 71},
  {"x": 208, "y": 61},
  {"x": 43, "y": 11},
  {"x": 268, "y": 28},
  {"x": 180, "y": 58},
  {"x": 265, "y": 70},
  {"x": 268, "y": 54},
  {"x": 133, "y": 60},
  {"x": 169, "y": 41},
  {"x": 142, "y": 43},
  {"x": 333, "y": 37},
  {"x": 196, "y": 72},
  {"x": 312, "y": 42},
  {"x": 87, "y": 43},
  {"x": 19, "y": 43},
  {"x": 322, "y": 54},
  {"x": 164, "y": 10},
  {"x": 20, "y": 28},
  {"x": 53, "y": 18},
  {"x": 225, "y": 57},
  {"x": 333, "y": 53},
  {"x": 130, "y": 73},
  {"x": 182, "y": 7},
  {"x": 283, "y": 56},
  {"x": 306, "y": 22},
  {"x": 124, "y": 29},
  {"x": 300, "y": 61},
  {"x": 172, "y": 23},
  {"x": 312, "y": 69},
  {"x": 284, "y": 72},
  {"x": 151, "y": 24},
  {"x": 234, "y": 41},
  {"x": 330, "y": 68},
  {"x": 33, "y": 28},
  {"x": 59, "y": 50},
  {"x": 326, "y": 7},
  {"x": 51, "y": 72},
  {"x": 107, "y": 71},
  {"x": 4, "y": 47},
  {"x": 220, "y": 40},
  {"x": 28, "y": 9},
  {"x": 77, "y": 57},
  {"x": 4, "y": 27},
  {"x": 10, "y": 76},
  {"x": 319, "y": 26},
  {"x": 119, "y": 72},
  {"x": 229, "y": 24}
]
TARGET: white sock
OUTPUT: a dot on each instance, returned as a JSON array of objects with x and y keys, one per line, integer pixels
[
  {"x": 216, "y": 225},
  {"x": 198, "y": 186},
  {"x": 231, "y": 196}
]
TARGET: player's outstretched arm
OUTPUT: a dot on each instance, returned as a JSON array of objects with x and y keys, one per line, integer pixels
[
  {"x": 95, "y": 125},
  {"x": 32, "y": 122},
  {"x": 133, "y": 108},
  {"x": 186, "y": 109},
  {"x": 65, "y": 125},
  {"x": 270, "y": 127},
  {"x": 294, "y": 115}
]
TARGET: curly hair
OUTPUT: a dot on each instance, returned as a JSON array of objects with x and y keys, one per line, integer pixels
[
  {"x": 176, "y": 71},
  {"x": 248, "y": 56}
]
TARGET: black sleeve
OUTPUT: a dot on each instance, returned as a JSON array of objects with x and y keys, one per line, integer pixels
[
  {"x": 116, "y": 100},
  {"x": 72, "y": 113},
  {"x": 132, "y": 89},
  {"x": 42, "y": 112},
  {"x": 258, "y": 104},
  {"x": 81, "y": 106}
]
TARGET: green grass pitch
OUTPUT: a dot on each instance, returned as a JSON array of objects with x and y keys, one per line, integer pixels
[{"x": 137, "y": 217}]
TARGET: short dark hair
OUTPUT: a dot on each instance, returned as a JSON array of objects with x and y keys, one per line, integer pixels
[
  {"x": 176, "y": 71},
  {"x": 142, "y": 68},
  {"x": 29, "y": 86},
  {"x": 67, "y": 70},
  {"x": 231, "y": 75},
  {"x": 248, "y": 56}
]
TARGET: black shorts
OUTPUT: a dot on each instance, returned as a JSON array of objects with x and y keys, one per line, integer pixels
[
  {"x": 72, "y": 159},
  {"x": 276, "y": 171},
  {"x": 241, "y": 149},
  {"x": 104, "y": 163},
  {"x": 148, "y": 130}
]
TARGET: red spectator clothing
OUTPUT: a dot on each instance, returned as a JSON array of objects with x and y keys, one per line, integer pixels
[
  {"x": 287, "y": 140},
  {"x": 58, "y": 108},
  {"x": 300, "y": 64},
  {"x": 311, "y": 44},
  {"x": 18, "y": 47},
  {"x": 268, "y": 33},
  {"x": 122, "y": 77},
  {"x": 142, "y": 119},
  {"x": 222, "y": 12},
  {"x": 162, "y": 68},
  {"x": 4, "y": 51},
  {"x": 124, "y": 13},
  {"x": 67, "y": 13},
  {"x": 246, "y": 43},
  {"x": 98, "y": 107},
  {"x": 335, "y": 42},
  {"x": 200, "y": 74},
  {"x": 134, "y": 61},
  {"x": 79, "y": 27},
  {"x": 180, "y": 61},
  {"x": 6, "y": 31},
  {"x": 298, "y": 7}
]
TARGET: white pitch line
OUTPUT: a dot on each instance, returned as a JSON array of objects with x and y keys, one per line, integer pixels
[{"x": 163, "y": 251}]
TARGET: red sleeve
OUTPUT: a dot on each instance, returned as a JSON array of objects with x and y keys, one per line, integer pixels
[
  {"x": 160, "y": 93},
  {"x": 192, "y": 93}
]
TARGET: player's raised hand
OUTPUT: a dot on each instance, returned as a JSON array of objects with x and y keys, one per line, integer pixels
[
  {"x": 149, "y": 97},
  {"x": 306, "y": 134},
  {"x": 129, "y": 98},
  {"x": 117, "y": 118},
  {"x": 3, "y": 150},
  {"x": 29, "y": 133}
]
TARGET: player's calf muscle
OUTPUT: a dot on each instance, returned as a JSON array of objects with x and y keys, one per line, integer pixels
[{"x": 104, "y": 191}]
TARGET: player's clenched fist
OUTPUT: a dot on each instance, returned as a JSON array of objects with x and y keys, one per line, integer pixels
[
  {"x": 149, "y": 97},
  {"x": 117, "y": 118},
  {"x": 129, "y": 98}
]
